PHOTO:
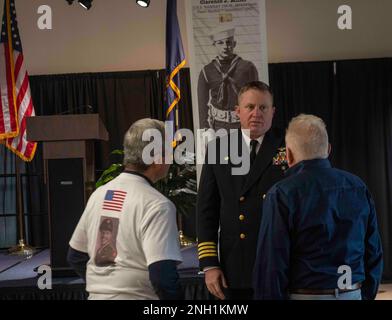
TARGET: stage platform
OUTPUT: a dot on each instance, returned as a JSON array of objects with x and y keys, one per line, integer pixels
[{"x": 18, "y": 279}]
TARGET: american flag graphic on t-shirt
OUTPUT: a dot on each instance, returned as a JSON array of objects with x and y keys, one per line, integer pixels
[{"x": 114, "y": 200}]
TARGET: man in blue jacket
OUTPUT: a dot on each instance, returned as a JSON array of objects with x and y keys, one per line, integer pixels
[{"x": 318, "y": 237}]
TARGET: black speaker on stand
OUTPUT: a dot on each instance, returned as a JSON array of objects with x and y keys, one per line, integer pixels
[{"x": 66, "y": 189}]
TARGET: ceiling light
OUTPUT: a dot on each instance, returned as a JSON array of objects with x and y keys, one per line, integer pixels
[
  {"x": 86, "y": 4},
  {"x": 143, "y": 3}
]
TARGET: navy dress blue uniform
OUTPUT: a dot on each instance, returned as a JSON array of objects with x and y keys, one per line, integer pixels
[
  {"x": 228, "y": 210},
  {"x": 314, "y": 221}
]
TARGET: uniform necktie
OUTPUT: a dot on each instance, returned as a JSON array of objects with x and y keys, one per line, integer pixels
[{"x": 253, "y": 147}]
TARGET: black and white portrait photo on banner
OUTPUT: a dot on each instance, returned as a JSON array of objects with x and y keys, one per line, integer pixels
[{"x": 228, "y": 48}]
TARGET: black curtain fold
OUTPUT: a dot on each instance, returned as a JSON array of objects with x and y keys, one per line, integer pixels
[
  {"x": 355, "y": 102},
  {"x": 7, "y": 198},
  {"x": 35, "y": 202},
  {"x": 363, "y": 135},
  {"x": 302, "y": 87}
]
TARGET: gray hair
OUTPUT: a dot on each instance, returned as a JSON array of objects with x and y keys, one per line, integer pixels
[
  {"x": 134, "y": 144},
  {"x": 308, "y": 138}
]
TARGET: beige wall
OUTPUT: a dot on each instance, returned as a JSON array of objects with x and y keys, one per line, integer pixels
[
  {"x": 306, "y": 30},
  {"x": 119, "y": 35}
]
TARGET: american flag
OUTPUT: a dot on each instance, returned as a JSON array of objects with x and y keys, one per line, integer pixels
[
  {"x": 114, "y": 200},
  {"x": 16, "y": 103}
]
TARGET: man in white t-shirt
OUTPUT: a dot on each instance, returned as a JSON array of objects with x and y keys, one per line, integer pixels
[{"x": 126, "y": 243}]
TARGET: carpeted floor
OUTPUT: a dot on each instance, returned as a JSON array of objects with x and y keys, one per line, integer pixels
[
  {"x": 7, "y": 261},
  {"x": 18, "y": 279},
  {"x": 13, "y": 268},
  {"x": 385, "y": 292},
  {"x": 23, "y": 268}
]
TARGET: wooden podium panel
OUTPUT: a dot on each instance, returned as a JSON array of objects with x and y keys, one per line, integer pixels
[{"x": 66, "y": 128}]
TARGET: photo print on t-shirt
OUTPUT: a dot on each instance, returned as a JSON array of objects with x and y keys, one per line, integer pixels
[{"x": 105, "y": 247}]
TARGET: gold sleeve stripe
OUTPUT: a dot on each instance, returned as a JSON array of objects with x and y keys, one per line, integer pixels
[
  {"x": 207, "y": 251},
  {"x": 206, "y": 244},
  {"x": 207, "y": 247},
  {"x": 207, "y": 255}
]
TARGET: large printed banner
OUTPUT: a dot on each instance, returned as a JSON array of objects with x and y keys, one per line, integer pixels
[{"x": 228, "y": 48}]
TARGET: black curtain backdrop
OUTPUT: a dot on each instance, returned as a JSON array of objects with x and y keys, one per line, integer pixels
[
  {"x": 363, "y": 135},
  {"x": 302, "y": 88},
  {"x": 353, "y": 97},
  {"x": 120, "y": 98}
]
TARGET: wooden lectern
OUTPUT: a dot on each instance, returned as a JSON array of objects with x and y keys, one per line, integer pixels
[{"x": 69, "y": 174}]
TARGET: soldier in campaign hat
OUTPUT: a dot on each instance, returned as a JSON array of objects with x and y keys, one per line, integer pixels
[{"x": 220, "y": 81}]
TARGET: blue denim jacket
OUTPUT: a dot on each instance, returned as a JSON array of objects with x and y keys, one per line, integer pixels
[{"x": 314, "y": 221}]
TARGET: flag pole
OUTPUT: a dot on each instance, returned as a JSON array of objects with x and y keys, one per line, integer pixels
[
  {"x": 21, "y": 249},
  {"x": 184, "y": 240},
  {"x": 179, "y": 215}
]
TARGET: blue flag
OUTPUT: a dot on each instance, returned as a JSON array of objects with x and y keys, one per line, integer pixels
[{"x": 175, "y": 60}]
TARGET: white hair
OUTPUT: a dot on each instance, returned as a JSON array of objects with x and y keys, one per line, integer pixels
[
  {"x": 134, "y": 144},
  {"x": 307, "y": 137}
]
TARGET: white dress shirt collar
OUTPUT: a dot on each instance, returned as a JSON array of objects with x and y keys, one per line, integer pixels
[{"x": 247, "y": 140}]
